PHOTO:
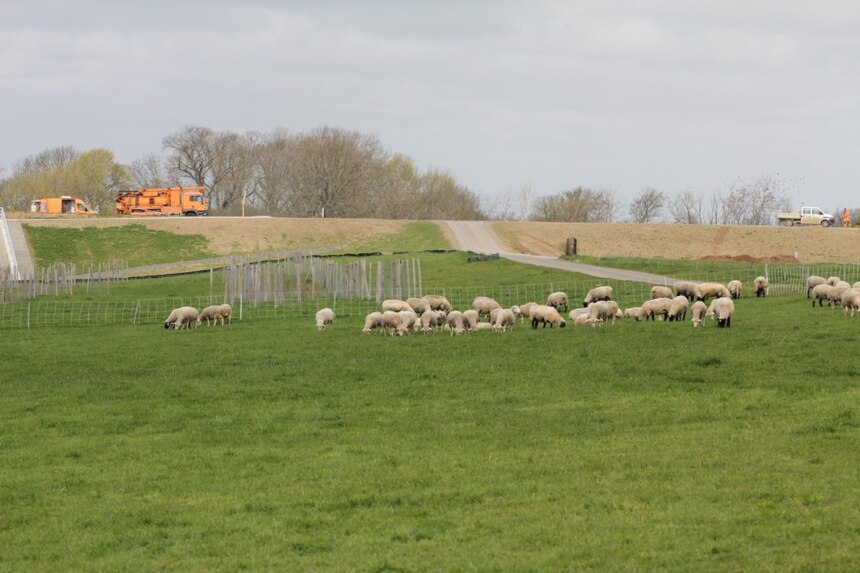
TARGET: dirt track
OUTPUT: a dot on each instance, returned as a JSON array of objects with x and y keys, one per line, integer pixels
[{"x": 775, "y": 244}]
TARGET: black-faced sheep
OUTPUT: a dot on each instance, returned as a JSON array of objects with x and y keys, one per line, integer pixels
[
  {"x": 721, "y": 310},
  {"x": 651, "y": 308},
  {"x": 557, "y": 300},
  {"x": 820, "y": 293},
  {"x": 542, "y": 314},
  {"x": 735, "y": 287},
  {"x": 324, "y": 317},
  {"x": 761, "y": 284},
  {"x": 687, "y": 289},
  {"x": 596, "y": 294},
  {"x": 182, "y": 317},
  {"x": 678, "y": 308}
]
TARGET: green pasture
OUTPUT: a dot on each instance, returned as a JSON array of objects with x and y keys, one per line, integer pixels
[{"x": 268, "y": 445}]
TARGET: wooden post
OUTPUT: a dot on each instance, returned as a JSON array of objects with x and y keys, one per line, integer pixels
[{"x": 570, "y": 246}]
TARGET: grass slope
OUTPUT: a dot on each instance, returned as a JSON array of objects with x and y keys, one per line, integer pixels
[{"x": 268, "y": 445}]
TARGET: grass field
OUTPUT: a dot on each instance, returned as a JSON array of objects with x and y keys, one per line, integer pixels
[{"x": 267, "y": 445}]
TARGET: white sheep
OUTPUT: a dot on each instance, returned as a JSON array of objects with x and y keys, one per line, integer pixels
[
  {"x": 582, "y": 319},
  {"x": 856, "y": 285},
  {"x": 851, "y": 301},
  {"x": 438, "y": 302},
  {"x": 212, "y": 314},
  {"x": 324, "y": 317},
  {"x": 698, "y": 311},
  {"x": 484, "y": 326},
  {"x": 721, "y": 310},
  {"x": 573, "y": 314},
  {"x": 393, "y": 321},
  {"x": 651, "y": 308},
  {"x": 833, "y": 280},
  {"x": 820, "y": 293},
  {"x": 430, "y": 320},
  {"x": 735, "y": 287},
  {"x": 761, "y": 284},
  {"x": 687, "y": 289},
  {"x": 182, "y": 317},
  {"x": 455, "y": 322},
  {"x": 634, "y": 312},
  {"x": 418, "y": 305},
  {"x": 835, "y": 296},
  {"x": 713, "y": 290},
  {"x": 485, "y": 305},
  {"x": 542, "y": 314},
  {"x": 813, "y": 281},
  {"x": 504, "y": 320},
  {"x": 658, "y": 291},
  {"x": 372, "y": 322},
  {"x": 557, "y": 300},
  {"x": 598, "y": 312},
  {"x": 678, "y": 308},
  {"x": 596, "y": 294},
  {"x": 395, "y": 305},
  {"x": 525, "y": 310},
  {"x": 408, "y": 320},
  {"x": 470, "y": 320}
]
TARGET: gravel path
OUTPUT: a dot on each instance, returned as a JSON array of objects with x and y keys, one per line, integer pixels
[{"x": 478, "y": 237}]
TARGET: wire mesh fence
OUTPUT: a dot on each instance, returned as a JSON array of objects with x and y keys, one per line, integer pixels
[{"x": 347, "y": 302}]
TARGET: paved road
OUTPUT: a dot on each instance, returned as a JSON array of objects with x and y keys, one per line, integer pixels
[{"x": 478, "y": 237}]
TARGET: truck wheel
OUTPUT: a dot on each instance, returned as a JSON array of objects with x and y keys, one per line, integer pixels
[
  {"x": 191, "y": 214},
  {"x": 825, "y": 224},
  {"x": 791, "y": 223}
]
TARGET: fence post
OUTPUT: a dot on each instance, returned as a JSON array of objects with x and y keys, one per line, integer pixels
[
  {"x": 240, "y": 306},
  {"x": 28, "y": 315}
]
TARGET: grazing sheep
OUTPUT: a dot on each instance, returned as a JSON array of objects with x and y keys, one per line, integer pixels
[
  {"x": 661, "y": 292},
  {"x": 212, "y": 314},
  {"x": 835, "y": 296},
  {"x": 678, "y": 308},
  {"x": 820, "y": 293},
  {"x": 721, "y": 310},
  {"x": 634, "y": 312},
  {"x": 833, "y": 280},
  {"x": 324, "y": 317},
  {"x": 418, "y": 305},
  {"x": 485, "y": 305},
  {"x": 504, "y": 320},
  {"x": 596, "y": 294},
  {"x": 484, "y": 326},
  {"x": 455, "y": 322},
  {"x": 856, "y": 285},
  {"x": 372, "y": 322},
  {"x": 525, "y": 309},
  {"x": 851, "y": 301},
  {"x": 430, "y": 320},
  {"x": 408, "y": 320},
  {"x": 713, "y": 290},
  {"x": 735, "y": 287},
  {"x": 470, "y": 320},
  {"x": 182, "y": 317},
  {"x": 842, "y": 284},
  {"x": 542, "y": 314},
  {"x": 395, "y": 305},
  {"x": 651, "y": 308},
  {"x": 687, "y": 289},
  {"x": 557, "y": 300},
  {"x": 438, "y": 302},
  {"x": 698, "y": 311},
  {"x": 599, "y": 312},
  {"x": 813, "y": 281},
  {"x": 582, "y": 319},
  {"x": 761, "y": 284},
  {"x": 516, "y": 310},
  {"x": 578, "y": 312},
  {"x": 393, "y": 321}
]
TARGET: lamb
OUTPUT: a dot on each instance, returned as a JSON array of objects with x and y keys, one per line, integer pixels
[
  {"x": 372, "y": 322},
  {"x": 418, "y": 305},
  {"x": 395, "y": 305},
  {"x": 485, "y": 305},
  {"x": 678, "y": 309},
  {"x": 578, "y": 312},
  {"x": 721, "y": 310},
  {"x": 324, "y": 317},
  {"x": 655, "y": 306},
  {"x": 227, "y": 312},
  {"x": 709, "y": 290},
  {"x": 438, "y": 302},
  {"x": 761, "y": 284},
  {"x": 661, "y": 292},
  {"x": 504, "y": 320},
  {"x": 582, "y": 319},
  {"x": 698, "y": 311},
  {"x": 394, "y": 323},
  {"x": 212, "y": 314},
  {"x": 735, "y": 287},
  {"x": 599, "y": 312},
  {"x": 430, "y": 320},
  {"x": 634, "y": 312},
  {"x": 851, "y": 301},
  {"x": 821, "y": 292},
  {"x": 596, "y": 294},
  {"x": 470, "y": 320},
  {"x": 687, "y": 289},
  {"x": 557, "y": 300},
  {"x": 813, "y": 281},
  {"x": 182, "y": 317},
  {"x": 542, "y": 314},
  {"x": 455, "y": 322}
]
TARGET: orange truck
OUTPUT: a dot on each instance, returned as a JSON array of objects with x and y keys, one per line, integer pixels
[
  {"x": 187, "y": 201},
  {"x": 61, "y": 205}
]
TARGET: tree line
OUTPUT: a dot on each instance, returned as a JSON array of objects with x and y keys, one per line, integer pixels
[{"x": 332, "y": 172}]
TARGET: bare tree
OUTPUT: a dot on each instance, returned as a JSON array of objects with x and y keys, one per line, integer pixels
[
  {"x": 441, "y": 197},
  {"x": 686, "y": 208},
  {"x": 648, "y": 206},
  {"x": 577, "y": 205},
  {"x": 271, "y": 189},
  {"x": 149, "y": 171}
]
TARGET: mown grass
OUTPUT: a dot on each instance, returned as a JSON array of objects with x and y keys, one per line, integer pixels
[
  {"x": 415, "y": 236},
  {"x": 267, "y": 445},
  {"x": 133, "y": 244}
]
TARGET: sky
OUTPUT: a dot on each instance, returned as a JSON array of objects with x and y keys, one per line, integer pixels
[{"x": 613, "y": 95}]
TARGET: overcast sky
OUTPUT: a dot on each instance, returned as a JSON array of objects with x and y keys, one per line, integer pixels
[{"x": 618, "y": 95}]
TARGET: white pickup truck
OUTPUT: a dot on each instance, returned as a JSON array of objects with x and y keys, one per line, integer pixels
[{"x": 806, "y": 216}]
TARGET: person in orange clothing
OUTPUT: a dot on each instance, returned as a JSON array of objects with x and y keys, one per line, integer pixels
[{"x": 846, "y": 217}]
